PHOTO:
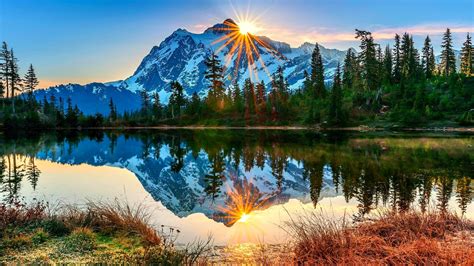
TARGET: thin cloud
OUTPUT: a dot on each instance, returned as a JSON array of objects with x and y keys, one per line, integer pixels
[{"x": 325, "y": 35}]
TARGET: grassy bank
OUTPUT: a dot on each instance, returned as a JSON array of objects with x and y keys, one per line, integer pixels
[
  {"x": 118, "y": 233},
  {"x": 391, "y": 239},
  {"x": 96, "y": 233}
]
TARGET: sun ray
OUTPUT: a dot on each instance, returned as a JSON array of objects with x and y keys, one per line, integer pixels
[{"x": 241, "y": 39}]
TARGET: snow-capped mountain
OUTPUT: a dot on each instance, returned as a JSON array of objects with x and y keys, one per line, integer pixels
[{"x": 181, "y": 57}]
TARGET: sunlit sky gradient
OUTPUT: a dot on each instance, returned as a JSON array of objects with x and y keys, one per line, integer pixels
[{"x": 81, "y": 41}]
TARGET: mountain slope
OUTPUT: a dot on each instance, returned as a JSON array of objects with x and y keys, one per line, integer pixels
[{"x": 181, "y": 57}]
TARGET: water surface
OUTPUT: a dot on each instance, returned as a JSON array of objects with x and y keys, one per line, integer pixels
[{"x": 242, "y": 185}]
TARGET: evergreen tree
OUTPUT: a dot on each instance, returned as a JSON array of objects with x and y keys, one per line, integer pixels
[
  {"x": 467, "y": 57},
  {"x": 194, "y": 107},
  {"x": 145, "y": 101},
  {"x": 448, "y": 59},
  {"x": 397, "y": 70},
  {"x": 157, "y": 108},
  {"x": 249, "y": 99},
  {"x": 215, "y": 75},
  {"x": 428, "y": 59},
  {"x": 317, "y": 73},
  {"x": 5, "y": 67},
  {"x": 387, "y": 65},
  {"x": 349, "y": 69},
  {"x": 335, "y": 107},
  {"x": 368, "y": 60},
  {"x": 177, "y": 100},
  {"x": 113, "y": 110},
  {"x": 237, "y": 97},
  {"x": 31, "y": 81},
  {"x": 15, "y": 80}
]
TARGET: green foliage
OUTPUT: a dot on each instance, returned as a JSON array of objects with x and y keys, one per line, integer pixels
[
  {"x": 55, "y": 227},
  {"x": 39, "y": 237},
  {"x": 80, "y": 240}
]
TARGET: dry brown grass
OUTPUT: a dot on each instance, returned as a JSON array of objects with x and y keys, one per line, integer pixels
[
  {"x": 114, "y": 217},
  {"x": 407, "y": 238}
]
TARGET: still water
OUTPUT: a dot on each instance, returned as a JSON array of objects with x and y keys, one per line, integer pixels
[{"x": 242, "y": 186}]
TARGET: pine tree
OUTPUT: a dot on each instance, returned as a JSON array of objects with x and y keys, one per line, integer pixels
[
  {"x": 177, "y": 100},
  {"x": 448, "y": 59},
  {"x": 317, "y": 73},
  {"x": 397, "y": 70},
  {"x": 15, "y": 80},
  {"x": 31, "y": 81},
  {"x": 113, "y": 110},
  {"x": 237, "y": 97},
  {"x": 368, "y": 60},
  {"x": 467, "y": 57},
  {"x": 194, "y": 107},
  {"x": 428, "y": 60},
  {"x": 157, "y": 108},
  {"x": 249, "y": 98},
  {"x": 387, "y": 65},
  {"x": 5, "y": 67},
  {"x": 349, "y": 69},
  {"x": 335, "y": 107},
  {"x": 145, "y": 101},
  {"x": 215, "y": 75}
]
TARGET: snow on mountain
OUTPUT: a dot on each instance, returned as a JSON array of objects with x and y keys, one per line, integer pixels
[{"x": 181, "y": 57}]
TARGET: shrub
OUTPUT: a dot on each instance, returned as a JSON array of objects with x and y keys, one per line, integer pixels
[
  {"x": 55, "y": 227},
  {"x": 19, "y": 241},
  {"x": 80, "y": 240},
  {"x": 40, "y": 236}
]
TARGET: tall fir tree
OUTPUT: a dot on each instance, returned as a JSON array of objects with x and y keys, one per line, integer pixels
[
  {"x": 349, "y": 69},
  {"x": 467, "y": 57},
  {"x": 428, "y": 59},
  {"x": 177, "y": 99},
  {"x": 387, "y": 65},
  {"x": 368, "y": 60},
  {"x": 112, "y": 110},
  {"x": 145, "y": 98},
  {"x": 397, "y": 69},
  {"x": 156, "y": 105},
  {"x": 237, "y": 98},
  {"x": 317, "y": 73},
  {"x": 30, "y": 82},
  {"x": 5, "y": 67},
  {"x": 215, "y": 75},
  {"x": 448, "y": 58},
  {"x": 15, "y": 80},
  {"x": 335, "y": 107}
]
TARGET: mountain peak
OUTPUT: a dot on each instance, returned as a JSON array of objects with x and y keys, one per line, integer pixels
[{"x": 222, "y": 27}]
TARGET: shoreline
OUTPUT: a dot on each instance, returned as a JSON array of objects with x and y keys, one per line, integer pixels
[{"x": 356, "y": 128}]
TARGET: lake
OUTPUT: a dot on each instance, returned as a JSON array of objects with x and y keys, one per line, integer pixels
[{"x": 242, "y": 186}]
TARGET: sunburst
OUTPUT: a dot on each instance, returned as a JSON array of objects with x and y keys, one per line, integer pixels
[
  {"x": 243, "y": 44},
  {"x": 241, "y": 201}
]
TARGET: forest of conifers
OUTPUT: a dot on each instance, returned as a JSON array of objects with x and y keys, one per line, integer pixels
[{"x": 395, "y": 86}]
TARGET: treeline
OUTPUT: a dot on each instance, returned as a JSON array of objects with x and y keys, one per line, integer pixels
[{"x": 396, "y": 85}]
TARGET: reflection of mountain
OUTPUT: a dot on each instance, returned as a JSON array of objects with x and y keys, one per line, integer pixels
[
  {"x": 228, "y": 173},
  {"x": 185, "y": 190}
]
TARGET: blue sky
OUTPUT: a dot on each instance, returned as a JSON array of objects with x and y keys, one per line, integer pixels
[{"x": 82, "y": 41}]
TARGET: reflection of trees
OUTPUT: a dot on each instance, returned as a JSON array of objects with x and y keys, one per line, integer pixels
[
  {"x": 214, "y": 179},
  {"x": 464, "y": 192},
  {"x": 32, "y": 172},
  {"x": 373, "y": 171},
  {"x": 13, "y": 175}
]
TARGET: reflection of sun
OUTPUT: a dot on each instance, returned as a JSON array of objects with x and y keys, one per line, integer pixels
[{"x": 244, "y": 218}]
